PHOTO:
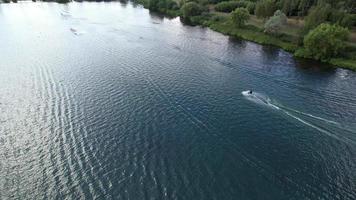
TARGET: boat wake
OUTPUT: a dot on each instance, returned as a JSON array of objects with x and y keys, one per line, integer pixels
[
  {"x": 260, "y": 99},
  {"x": 76, "y": 32},
  {"x": 264, "y": 100}
]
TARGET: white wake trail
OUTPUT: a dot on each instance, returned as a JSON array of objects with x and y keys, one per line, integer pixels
[
  {"x": 310, "y": 115},
  {"x": 265, "y": 100},
  {"x": 346, "y": 140}
]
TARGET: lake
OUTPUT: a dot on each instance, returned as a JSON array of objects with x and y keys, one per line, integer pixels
[{"x": 110, "y": 101}]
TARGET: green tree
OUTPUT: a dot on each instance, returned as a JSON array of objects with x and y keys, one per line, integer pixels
[
  {"x": 341, "y": 17},
  {"x": 162, "y": 5},
  {"x": 240, "y": 16},
  {"x": 170, "y": 4},
  {"x": 274, "y": 23},
  {"x": 63, "y": 1},
  {"x": 251, "y": 6},
  {"x": 304, "y": 6},
  {"x": 325, "y": 41},
  {"x": 190, "y": 9},
  {"x": 317, "y": 15},
  {"x": 229, "y": 6},
  {"x": 153, "y": 5},
  {"x": 259, "y": 10},
  {"x": 265, "y": 8},
  {"x": 296, "y": 7}
]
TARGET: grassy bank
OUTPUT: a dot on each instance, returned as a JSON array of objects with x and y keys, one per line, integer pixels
[
  {"x": 344, "y": 63},
  {"x": 250, "y": 32}
]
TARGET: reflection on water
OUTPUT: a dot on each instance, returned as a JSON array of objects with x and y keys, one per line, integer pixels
[{"x": 139, "y": 106}]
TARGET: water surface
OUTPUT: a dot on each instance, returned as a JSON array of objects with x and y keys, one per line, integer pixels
[{"x": 108, "y": 101}]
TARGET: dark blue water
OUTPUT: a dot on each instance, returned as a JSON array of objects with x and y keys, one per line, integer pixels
[{"x": 108, "y": 101}]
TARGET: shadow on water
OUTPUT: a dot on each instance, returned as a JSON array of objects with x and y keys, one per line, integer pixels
[
  {"x": 156, "y": 18},
  {"x": 123, "y": 3},
  {"x": 270, "y": 52},
  {"x": 238, "y": 43},
  {"x": 159, "y": 15},
  {"x": 186, "y": 21},
  {"x": 313, "y": 65},
  {"x": 135, "y": 4}
]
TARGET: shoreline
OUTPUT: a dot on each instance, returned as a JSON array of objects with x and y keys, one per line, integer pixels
[
  {"x": 250, "y": 33},
  {"x": 265, "y": 39}
]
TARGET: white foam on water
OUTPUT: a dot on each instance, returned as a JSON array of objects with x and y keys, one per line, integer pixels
[
  {"x": 343, "y": 139},
  {"x": 261, "y": 98},
  {"x": 310, "y": 115}
]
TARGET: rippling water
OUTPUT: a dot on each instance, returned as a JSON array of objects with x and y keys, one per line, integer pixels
[{"x": 105, "y": 100}]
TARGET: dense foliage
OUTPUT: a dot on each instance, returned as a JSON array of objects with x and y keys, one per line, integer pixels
[
  {"x": 325, "y": 41},
  {"x": 301, "y": 7},
  {"x": 325, "y": 13},
  {"x": 58, "y": 1},
  {"x": 228, "y": 6},
  {"x": 8, "y": 1},
  {"x": 63, "y": 1},
  {"x": 191, "y": 9},
  {"x": 162, "y": 5},
  {"x": 251, "y": 6},
  {"x": 240, "y": 16},
  {"x": 265, "y": 8}
]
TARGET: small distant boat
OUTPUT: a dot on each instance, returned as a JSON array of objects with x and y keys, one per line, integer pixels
[
  {"x": 76, "y": 32},
  {"x": 247, "y": 92},
  {"x": 65, "y": 14}
]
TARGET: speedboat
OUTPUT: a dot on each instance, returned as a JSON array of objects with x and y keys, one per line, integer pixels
[{"x": 247, "y": 92}]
